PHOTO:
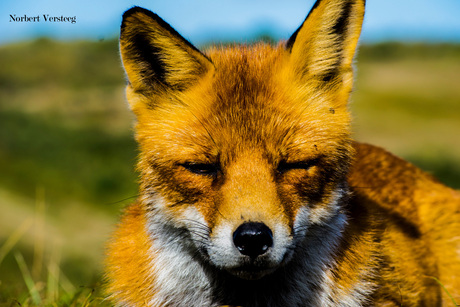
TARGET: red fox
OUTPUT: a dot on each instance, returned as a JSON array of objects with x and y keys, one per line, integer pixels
[{"x": 252, "y": 192}]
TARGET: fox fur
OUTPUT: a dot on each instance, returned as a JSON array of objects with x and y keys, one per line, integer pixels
[{"x": 252, "y": 192}]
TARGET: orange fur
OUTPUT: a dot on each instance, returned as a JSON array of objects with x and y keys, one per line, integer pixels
[
  {"x": 131, "y": 239},
  {"x": 252, "y": 192}
]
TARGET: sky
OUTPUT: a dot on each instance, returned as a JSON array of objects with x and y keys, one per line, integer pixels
[{"x": 201, "y": 21}]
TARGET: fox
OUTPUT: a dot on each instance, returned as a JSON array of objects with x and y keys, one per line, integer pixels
[{"x": 252, "y": 191}]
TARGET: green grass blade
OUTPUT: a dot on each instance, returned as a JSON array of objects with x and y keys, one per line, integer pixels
[
  {"x": 39, "y": 243},
  {"x": 28, "y": 278},
  {"x": 445, "y": 290}
]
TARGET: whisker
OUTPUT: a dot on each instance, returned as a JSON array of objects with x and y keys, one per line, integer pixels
[
  {"x": 202, "y": 124},
  {"x": 122, "y": 200}
]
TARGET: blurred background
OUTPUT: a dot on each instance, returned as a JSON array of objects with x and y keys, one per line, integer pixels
[{"x": 67, "y": 153}]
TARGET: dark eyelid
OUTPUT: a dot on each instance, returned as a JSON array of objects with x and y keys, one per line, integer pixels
[
  {"x": 209, "y": 169},
  {"x": 284, "y": 166}
]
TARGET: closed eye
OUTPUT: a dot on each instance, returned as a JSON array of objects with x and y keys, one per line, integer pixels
[
  {"x": 207, "y": 169},
  {"x": 284, "y": 166}
]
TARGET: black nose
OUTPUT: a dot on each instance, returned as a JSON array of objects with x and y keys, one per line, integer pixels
[{"x": 253, "y": 239}]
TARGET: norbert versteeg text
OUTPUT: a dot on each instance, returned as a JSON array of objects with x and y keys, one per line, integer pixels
[{"x": 42, "y": 18}]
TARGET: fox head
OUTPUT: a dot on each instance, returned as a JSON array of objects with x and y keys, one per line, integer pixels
[{"x": 243, "y": 149}]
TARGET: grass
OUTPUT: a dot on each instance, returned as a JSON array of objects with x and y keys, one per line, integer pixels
[
  {"x": 43, "y": 282},
  {"x": 67, "y": 153},
  {"x": 407, "y": 101},
  {"x": 89, "y": 157},
  {"x": 56, "y": 290},
  {"x": 454, "y": 302}
]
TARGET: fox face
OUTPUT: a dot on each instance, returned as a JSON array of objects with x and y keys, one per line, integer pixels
[{"x": 243, "y": 150}]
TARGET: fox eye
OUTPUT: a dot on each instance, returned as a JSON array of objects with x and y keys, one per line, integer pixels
[
  {"x": 209, "y": 169},
  {"x": 284, "y": 166}
]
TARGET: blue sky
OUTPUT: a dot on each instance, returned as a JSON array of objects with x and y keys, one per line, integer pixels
[{"x": 203, "y": 20}]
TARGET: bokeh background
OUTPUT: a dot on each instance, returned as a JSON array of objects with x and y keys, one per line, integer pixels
[{"x": 67, "y": 153}]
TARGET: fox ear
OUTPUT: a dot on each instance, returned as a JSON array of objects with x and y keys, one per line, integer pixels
[
  {"x": 323, "y": 47},
  {"x": 155, "y": 56}
]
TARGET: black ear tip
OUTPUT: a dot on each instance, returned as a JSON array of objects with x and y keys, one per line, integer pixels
[
  {"x": 137, "y": 10},
  {"x": 134, "y": 10}
]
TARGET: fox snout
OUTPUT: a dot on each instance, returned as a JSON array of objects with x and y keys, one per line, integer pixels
[
  {"x": 251, "y": 251},
  {"x": 253, "y": 239}
]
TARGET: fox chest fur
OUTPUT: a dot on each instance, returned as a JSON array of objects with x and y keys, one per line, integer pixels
[{"x": 252, "y": 192}]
